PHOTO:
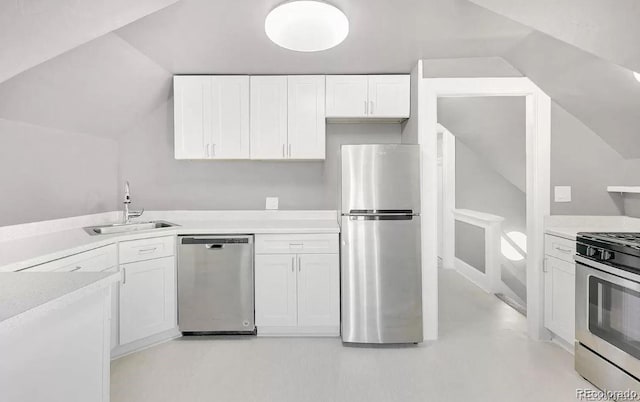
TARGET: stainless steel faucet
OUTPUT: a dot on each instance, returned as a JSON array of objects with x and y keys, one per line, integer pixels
[{"x": 127, "y": 215}]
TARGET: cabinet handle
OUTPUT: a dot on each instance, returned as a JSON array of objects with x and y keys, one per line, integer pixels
[
  {"x": 208, "y": 150},
  {"x": 147, "y": 250},
  {"x": 365, "y": 107},
  {"x": 76, "y": 268},
  {"x": 299, "y": 265},
  {"x": 370, "y": 107},
  {"x": 124, "y": 275},
  {"x": 544, "y": 265},
  {"x": 293, "y": 263},
  {"x": 564, "y": 250},
  {"x": 289, "y": 150},
  {"x": 213, "y": 150},
  {"x": 283, "y": 150}
]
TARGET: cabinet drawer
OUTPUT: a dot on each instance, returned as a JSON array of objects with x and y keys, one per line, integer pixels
[
  {"x": 559, "y": 247},
  {"x": 146, "y": 249},
  {"x": 96, "y": 260},
  {"x": 292, "y": 244}
]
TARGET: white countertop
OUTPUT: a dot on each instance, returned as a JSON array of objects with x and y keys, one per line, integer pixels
[
  {"x": 31, "y": 292},
  {"x": 27, "y": 251},
  {"x": 569, "y": 226}
]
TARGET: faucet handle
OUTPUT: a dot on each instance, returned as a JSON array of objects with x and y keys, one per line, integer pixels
[{"x": 127, "y": 193}]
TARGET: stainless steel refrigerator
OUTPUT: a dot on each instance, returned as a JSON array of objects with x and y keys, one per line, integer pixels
[{"x": 381, "y": 277}]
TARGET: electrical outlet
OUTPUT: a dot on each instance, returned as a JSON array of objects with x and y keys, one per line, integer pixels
[
  {"x": 272, "y": 203},
  {"x": 562, "y": 193}
]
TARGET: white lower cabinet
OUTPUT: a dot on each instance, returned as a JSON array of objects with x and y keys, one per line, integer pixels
[
  {"x": 318, "y": 290},
  {"x": 297, "y": 293},
  {"x": 147, "y": 299},
  {"x": 276, "y": 290},
  {"x": 559, "y": 298},
  {"x": 560, "y": 288}
]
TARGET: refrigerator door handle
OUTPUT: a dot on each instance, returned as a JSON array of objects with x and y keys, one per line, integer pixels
[{"x": 380, "y": 217}]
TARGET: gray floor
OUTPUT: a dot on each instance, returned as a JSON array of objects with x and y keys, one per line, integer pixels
[{"x": 483, "y": 355}]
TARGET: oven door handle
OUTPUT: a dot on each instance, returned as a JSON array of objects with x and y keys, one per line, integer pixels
[{"x": 614, "y": 275}]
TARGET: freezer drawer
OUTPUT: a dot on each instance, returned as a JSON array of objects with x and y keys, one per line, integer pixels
[
  {"x": 215, "y": 284},
  {"x": 380, "y": 177},
  {"x": 381, "y": 285}
]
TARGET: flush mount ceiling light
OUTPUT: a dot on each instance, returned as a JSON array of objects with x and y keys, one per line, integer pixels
[
  {"x": 637, "y": 75},
  {"x": 306, "y": 26}
]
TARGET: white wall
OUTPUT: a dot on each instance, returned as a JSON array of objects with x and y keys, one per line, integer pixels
[
  {"x": 49, "y": 174},
  {"x": 160, "y": 182}
]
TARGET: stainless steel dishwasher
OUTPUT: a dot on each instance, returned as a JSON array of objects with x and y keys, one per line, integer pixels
[{"x": 215, "y": 284}]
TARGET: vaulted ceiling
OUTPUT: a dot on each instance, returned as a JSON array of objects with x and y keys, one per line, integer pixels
[{"x": 109, "y": 63}]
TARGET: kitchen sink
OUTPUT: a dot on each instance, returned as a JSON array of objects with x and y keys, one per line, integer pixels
[{"x": 127, "y": 227}]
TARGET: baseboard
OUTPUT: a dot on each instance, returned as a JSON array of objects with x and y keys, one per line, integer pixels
[
  {"x": 569, "y": 347},
  {"x": 141, "y": 344},
  {"x": 330, "y": 331},
  {"x": 472, "y": 274}
]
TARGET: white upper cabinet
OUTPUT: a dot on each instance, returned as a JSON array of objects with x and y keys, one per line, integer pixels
[
  {"x": 288, "y": 117},
  {"x": 361, "y": 97},
  {"x": 347, "y": 96},
  {"x": 389, "y": 96},
  {"x": 269, "y": 117},
  {"x": 306, "y": 120},
  {"x": 211, "y": 117},
  {"x": 230, "y": 117},
  {"x": 190, "y": 93}
]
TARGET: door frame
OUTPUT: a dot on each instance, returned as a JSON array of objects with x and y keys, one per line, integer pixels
[
  {"x": 448, "y": 196},
  {"x": 538, "y": 150}
]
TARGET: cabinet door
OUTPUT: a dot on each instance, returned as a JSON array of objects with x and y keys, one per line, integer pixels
[
  {"x": 347, "y": 96},
  {"x": 318, "y": 290},
  {"x": 275, "y": 290},
  {"x": 230, "y": 117},
  {"x": 389, "y": 96},
  {"x": 147, "y": 298},
  {"x": 559, "y": 298},
  {"x": 268, "y": 125},
  {"x": 192, "y": 116},
  {"x": 306, "y": 133}
]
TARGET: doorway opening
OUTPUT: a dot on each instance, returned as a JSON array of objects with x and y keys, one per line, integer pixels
[
  {"x": 538, "y": 141},
  {"x": 482, "y": 221}
]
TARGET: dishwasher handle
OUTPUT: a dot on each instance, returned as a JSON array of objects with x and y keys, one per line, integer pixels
[{"x": 216, "y": 241}]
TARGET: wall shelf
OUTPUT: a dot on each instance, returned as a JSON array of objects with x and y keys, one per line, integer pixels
[{"x": 624, "y": 189}]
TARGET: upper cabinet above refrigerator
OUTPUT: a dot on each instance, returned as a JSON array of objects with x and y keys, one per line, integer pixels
[{"x": 368, "y": 97}]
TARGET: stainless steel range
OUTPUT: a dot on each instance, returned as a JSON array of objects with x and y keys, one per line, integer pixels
[{"x": 608, "y": 309}]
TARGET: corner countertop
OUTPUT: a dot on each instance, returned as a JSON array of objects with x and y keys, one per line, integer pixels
[
  {"x": 569, "y": 226},
  {"x": 23, "y": 293},
  {"x": 43, "y": 246}
]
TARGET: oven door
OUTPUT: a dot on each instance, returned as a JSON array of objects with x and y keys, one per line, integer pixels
[{"x": 608, "y": 313}]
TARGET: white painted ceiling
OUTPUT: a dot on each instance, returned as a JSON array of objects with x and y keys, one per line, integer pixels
[
  {"x": 608, "y": 29},
  {"x": 100, "y": 88},
  {"x": 603, "y": 95},
  {"x": 227, "y": 36},
  {"x": 34, "y": 31}
]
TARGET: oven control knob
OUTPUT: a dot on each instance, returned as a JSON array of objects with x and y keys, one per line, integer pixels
[
  {"x": 606, "y": 255},
  {"x": 591, "y": 251}
]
